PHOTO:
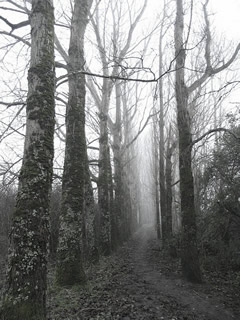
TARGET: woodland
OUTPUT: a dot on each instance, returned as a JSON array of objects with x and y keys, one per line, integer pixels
[{"x": 119, "y": 161}]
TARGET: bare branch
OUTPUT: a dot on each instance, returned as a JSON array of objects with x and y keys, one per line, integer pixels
[
  {"x": 10, "y": 104},
  {"x": 14, "y": 10},
  {"x": 210, "y": 71},
  {"x": 60, "y": 49},
  {"x": 60, "y": 65},
  {"x": 230, "y": 61},
  {"x": 19, "y": 6},
  {"x": 131, "y": 30},
  {"x": 212, "y": 131},
  {"x": 116, "y": 77},
  {"x": 11, "y": 122},
  {"x": 141, "y": 130},
  {"x": 208, "y": 37},
  {"x": 20, "y": 39},
  {"x": 15, "y": 26}
]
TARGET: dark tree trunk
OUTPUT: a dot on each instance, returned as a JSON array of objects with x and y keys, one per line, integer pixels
[
  {"x": 189, "y": 252},
  {"x": 90, "y": 232},
  {"x": 169, "y": 194},
  {"x": 169, "y": 190},
  {"x": 163, "y": 205},
  {"x": 69, "y": 256},
  {"x": 118, "y": 223},
  {"x": 25, "y": 296},
  {"x": 157, "y": 177},
  {"x": 157, "y": 210},
  {"x": 104, "y": 194}
]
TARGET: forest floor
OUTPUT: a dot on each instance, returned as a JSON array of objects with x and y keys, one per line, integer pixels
[{"x": 141, "y": 282}]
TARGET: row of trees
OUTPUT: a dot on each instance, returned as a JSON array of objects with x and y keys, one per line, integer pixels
[
  {"x": 191, "y": 85},
  {"x": 86, "y": 230},
  {"x": 82, "y": 230}
]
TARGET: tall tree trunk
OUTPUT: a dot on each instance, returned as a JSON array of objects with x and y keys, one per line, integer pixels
[
  {"x": 69, "y": 257},
  {"x": 103, "y": 183},
  {"x": 162, "y": 185},
  {"x": 90, "y": 235},
  {"x": 130, "y": 179},
  {"x": 25, "y": 296},
  {"x": 156, "y": 162},
  {"x": 118, "y": 174},
  {"x": 169, "y": 194},
  {"x": 189, "y": 253},
  {"x": 111, "y": 203}
]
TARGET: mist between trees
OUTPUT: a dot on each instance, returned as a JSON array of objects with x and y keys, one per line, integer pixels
[{"x": 113, "y": 115}]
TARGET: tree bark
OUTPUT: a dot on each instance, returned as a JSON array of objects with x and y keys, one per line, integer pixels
[
  {"x": 90, "y": 246},
  {"x": 118, "y": 174},
  {"x": 169, "y": 195},
  {"x": 165, "y": 235},
  {"x": 156, "y": 176},
  {"x": 189, "y": 252},
  {"x": 69, "y": 269},
  {"x": 25, "y": 296},
  {"x": 103, "y": 184}
]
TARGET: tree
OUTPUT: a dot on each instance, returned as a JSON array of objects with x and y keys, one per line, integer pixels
[
  {"x": 113, "y": 54},
  {"x": 157, "y": 176},
  {"x": 25, "y": 296},
  {"x": 219, "y": 183},
  {"x": 69, "y": 254},
  {"x": 171, "y": 146},
  {"x": 189, "y": 252},
  {"x": 163, "y": 163}
]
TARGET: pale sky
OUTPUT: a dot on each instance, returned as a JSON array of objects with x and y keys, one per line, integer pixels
[{"x": 227, "y": 17}]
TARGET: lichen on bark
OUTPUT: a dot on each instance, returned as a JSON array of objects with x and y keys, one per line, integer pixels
[
  {"x": 25, "y": 296},
  {"x": 69, "y": 268}
]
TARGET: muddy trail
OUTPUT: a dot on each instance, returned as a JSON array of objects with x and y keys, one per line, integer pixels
[{"x": 140, "y": 282}]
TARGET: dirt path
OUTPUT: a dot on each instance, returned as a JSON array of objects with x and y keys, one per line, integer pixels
[
  {"x": 186, "y": 298},
  {"x": 133, "y": 284}
]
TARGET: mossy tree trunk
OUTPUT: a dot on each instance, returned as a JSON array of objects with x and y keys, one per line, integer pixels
[
  {"x": 189, "y": 252},
  {"x": 25, "y": 296},
  {"x": 69, "y": 269}
]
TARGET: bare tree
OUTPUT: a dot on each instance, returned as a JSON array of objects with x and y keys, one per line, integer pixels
[
  {"x": 115, "y": 57},
  {"x": 156, "y": 175},
  {"x": 166, "y": 228},
  {"x": 189, "y": 253},
  {"x": 70, "y": 265},
  {"x": 25, "y": 296}
]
